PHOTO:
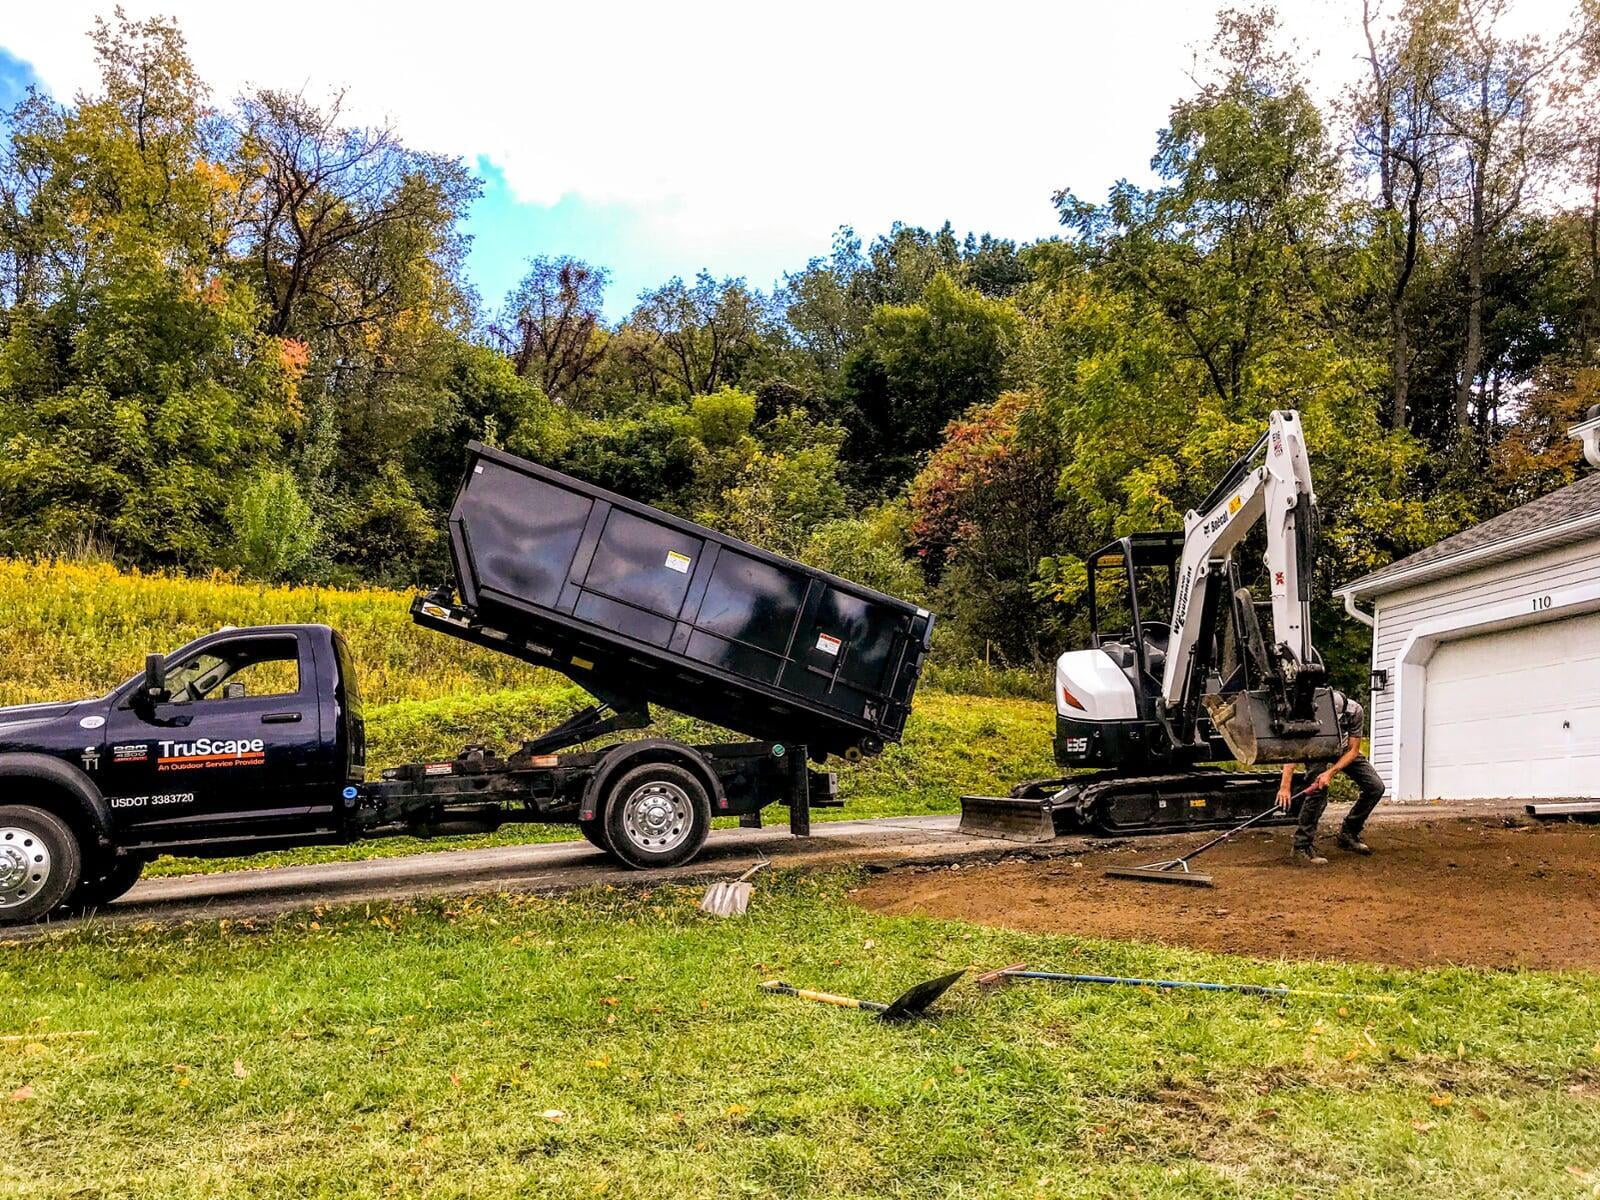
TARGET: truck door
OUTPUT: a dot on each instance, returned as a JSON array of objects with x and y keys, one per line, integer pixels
[{"x": 228, "y": 746}]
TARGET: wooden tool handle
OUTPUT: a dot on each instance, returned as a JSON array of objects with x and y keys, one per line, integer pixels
[{"x": 788, "y": 989}]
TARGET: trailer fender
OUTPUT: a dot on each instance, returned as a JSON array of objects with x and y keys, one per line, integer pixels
[
  {"x": 631, "y": 754},
  {"x": 75, "y": 797}
]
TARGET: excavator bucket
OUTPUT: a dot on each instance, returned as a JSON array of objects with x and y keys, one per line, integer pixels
[{"x": 1246, "y": 723}]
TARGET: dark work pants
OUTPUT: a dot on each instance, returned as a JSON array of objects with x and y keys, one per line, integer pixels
[{"x": 1365, "y": 776}]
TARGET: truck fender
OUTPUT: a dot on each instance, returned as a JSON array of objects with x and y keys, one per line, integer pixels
[
  {"x": 631, "y": 754},
  {"x": 86, "y": 808}
]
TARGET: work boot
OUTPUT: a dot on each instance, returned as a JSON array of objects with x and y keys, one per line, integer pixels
[
  {"x": 1307, "y": 858},
  {"x": 1353, "y": 843}
]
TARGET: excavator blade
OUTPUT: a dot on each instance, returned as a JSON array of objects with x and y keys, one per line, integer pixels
[
  {"x": 1244, "y": 719},
  {"x": 1008, "y": 817}
]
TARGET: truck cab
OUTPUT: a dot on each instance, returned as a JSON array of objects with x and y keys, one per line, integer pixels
[{"x": 244, "y": 734}]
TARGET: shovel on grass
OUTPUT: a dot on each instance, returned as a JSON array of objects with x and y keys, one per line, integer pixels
[{"x": 730, "y": 897}]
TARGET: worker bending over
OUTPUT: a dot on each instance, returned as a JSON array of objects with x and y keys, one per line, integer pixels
[{"x": 1353, "y": 763}]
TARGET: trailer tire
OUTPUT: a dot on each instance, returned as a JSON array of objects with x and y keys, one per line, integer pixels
[
  {"x": 594, "y": 832},
  {"x": 109, "y": 881},
  {"x": 40, "y": 863},
  {"x": 656, "y": 815}
]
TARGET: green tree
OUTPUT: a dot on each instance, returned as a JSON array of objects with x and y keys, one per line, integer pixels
[
  {"x": 697, "y": 338},
  {"x": 787, "y": 487},
  {"x": 920, "y": 366},
  {"x": 869, "y": 549},
  {"x": 139, "y": 392},
  {"x": 274, "y": 532}
]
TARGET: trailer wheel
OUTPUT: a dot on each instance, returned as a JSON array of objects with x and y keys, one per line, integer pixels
[
  {"x": 40, "y": 863},
  {"x": 594, "y": 832},
  {"x": 108, "y": 883},
  {"x": 657, "y": 815}
]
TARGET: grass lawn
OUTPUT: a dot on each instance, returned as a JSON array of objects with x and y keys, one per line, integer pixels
[{"x": 614, "y": 1043}]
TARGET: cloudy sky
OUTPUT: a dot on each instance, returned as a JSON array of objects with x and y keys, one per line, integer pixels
[{"x": 659, "y": 138}]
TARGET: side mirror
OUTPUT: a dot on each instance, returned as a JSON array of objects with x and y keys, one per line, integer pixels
[
  {"x": 155, "y": 679},
  {"x": 233, "y": 691}
]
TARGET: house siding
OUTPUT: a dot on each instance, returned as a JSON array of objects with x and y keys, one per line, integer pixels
[{"x": 1398, "y": 614}]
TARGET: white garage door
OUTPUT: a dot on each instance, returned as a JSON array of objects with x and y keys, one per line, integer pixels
[{"x": 1515, "y": 713}]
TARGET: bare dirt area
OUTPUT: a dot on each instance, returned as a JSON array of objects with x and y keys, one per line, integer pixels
[{"x": 1465, "y": 892}]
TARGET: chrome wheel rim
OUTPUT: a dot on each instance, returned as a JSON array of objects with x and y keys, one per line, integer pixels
[
  {"x": 657, "y": 816},
  {"x": 25, "y": 865}
]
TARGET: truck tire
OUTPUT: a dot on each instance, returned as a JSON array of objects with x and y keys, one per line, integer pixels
[
  {"x": 108, "y": 883},
  {"x": 40, "y": 863},
  {"x": 594, "y": 832},
  {"x": 657, "y": 815}
]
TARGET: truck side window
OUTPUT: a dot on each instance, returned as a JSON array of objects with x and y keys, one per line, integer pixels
[{"x": 233, "y": 670}]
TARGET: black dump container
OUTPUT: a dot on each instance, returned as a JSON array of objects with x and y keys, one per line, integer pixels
[{"x": 640, "y": 606}]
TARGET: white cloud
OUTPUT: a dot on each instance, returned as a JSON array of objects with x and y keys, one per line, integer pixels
[{"x": 739, "y": 124}]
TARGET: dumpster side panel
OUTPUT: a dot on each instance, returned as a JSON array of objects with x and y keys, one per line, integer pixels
[
  {"x": 638, "y": 603},
  {"x": 525, "y": 532}
]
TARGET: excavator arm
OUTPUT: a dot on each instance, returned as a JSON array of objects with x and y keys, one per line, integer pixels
[{"x": 1285, "y": 715}]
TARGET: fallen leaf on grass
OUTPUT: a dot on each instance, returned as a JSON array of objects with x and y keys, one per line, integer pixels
[
  {"x": 1441, "y": 1099},
  {"x": 1422, "y": 1126},
  {"x": 239, "y": 1071},
  {"x": 554, "y": 1115},
  {"x": 736, "y": 1110},
  {"x": 1478, "y": 1113},
  {"x": 609, "y": 1000},
  {"x": 25, "y": 1092}
]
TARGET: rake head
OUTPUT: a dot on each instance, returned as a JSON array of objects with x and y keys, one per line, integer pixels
[{"x": 1173, "y": 871}]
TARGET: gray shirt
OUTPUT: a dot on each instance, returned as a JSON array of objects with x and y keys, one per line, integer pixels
[{"x": 1352, "y": 717}]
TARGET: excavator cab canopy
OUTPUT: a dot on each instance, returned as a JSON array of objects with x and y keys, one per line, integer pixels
[{"x": 1130, "y": 588}]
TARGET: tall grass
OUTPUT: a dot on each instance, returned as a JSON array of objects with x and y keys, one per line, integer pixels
[{"x": 69, "y": 630}]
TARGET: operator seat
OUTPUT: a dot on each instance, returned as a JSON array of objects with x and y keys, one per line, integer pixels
[{"x": 1155, "y": 635}]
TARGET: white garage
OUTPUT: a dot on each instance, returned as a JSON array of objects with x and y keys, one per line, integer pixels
[{"x": 1486, "y": 654}]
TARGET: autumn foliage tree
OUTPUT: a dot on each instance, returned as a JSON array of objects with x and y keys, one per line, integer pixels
[{"x": 984, "y": 513}]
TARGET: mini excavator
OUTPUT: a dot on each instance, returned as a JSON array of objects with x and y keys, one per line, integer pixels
[{"x": 1152, "y": 700}]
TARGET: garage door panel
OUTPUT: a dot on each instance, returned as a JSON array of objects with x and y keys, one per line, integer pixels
[{"x": 1515, "y": 713}]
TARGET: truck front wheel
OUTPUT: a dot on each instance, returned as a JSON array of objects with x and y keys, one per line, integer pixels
[
  {"x": 657, "y": 815},
  {"x": 40, "y": 863},
  {"x": 107, "y": 884}
]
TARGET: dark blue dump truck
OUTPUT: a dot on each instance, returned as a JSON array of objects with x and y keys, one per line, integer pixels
[{"x": 254, "y": 739}]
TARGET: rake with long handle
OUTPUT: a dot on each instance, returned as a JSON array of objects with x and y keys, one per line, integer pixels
[
  {"x": 1021, "y": 971},
  {"x": 1176, "y": 870}
]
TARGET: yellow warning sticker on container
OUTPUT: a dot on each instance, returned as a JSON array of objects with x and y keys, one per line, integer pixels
[
  {"x": 828, "y": 644},
  {"x": 678, "y": 562}
]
